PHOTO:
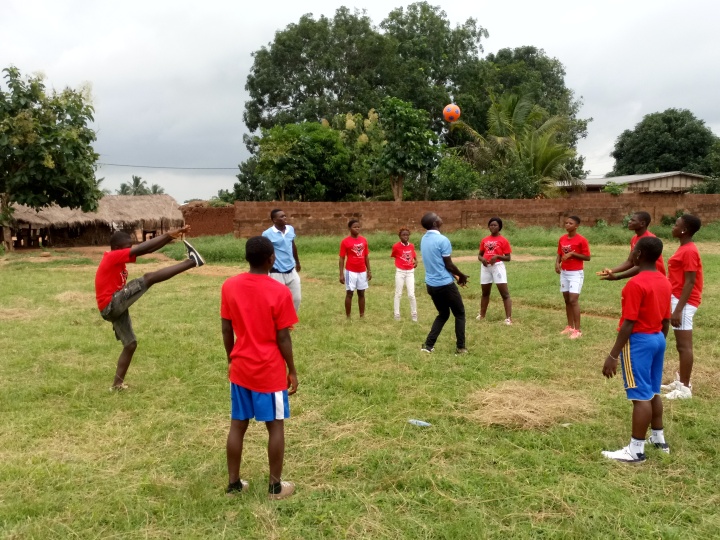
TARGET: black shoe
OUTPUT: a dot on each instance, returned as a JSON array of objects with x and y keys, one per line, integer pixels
[
  {"x": 236, "y": 488},
  {"x": 426, "y": 349},
  {"x": 193, "y": 254},
  {"x": 461, "y": 351}
]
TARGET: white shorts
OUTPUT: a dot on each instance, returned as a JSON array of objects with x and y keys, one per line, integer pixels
[
  {"x": 686, "y": 318},
  {"x": 356, "y": 281},
  {"x": 496, "y": 273},
  {"x": 571, "y": 281}
]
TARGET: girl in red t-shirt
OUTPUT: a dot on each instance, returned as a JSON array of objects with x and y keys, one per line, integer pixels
[
  {"x": 493, "y": 253},
  {"x": 573, "y": 250},
  {"x": 405, "y": 263},
  {"x": 685, "y": 273}
]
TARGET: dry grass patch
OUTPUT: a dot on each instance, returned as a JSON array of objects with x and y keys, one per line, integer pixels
[
  {"x": 522, "y": 405},
  {"x": 77, "y": 298},
  {"x": 19, "y": 314}
]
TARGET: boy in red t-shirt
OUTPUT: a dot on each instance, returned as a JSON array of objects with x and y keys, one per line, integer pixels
[
  {"x": 115, "y": 294},
  {"x": 685, "y": 273},
  {"x": 257, "y": 315},
  {"x": 356, "y": 274},
  {"x": 640, "y": 344},
  {"x": 405, "y": 264},
  {"x": 639, "y": 222},
  {"x": 573, "y": 250},
  {"x": 493, "y": 253}
]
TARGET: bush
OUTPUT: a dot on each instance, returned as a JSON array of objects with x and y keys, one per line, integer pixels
[
  {"x": 614, "y": 188},
  {"x": 669, "y": 221}
]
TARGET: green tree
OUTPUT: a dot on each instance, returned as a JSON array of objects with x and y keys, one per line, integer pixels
[
  {"x": 251, "y": 185},
  {"x": 316, "y": 69},
  {"x": 429, "y": 57},
  {"x": 306, "y": 162},
  {"x": 137, "y": 186},
  {"x": 156, "y": 189},
  {"x": 672, "y": 140},
  {"x": 46, "y": 153},
  {"x": 454, "y": 178},
  {"x": 410, "y": 147},
  {"x": 522, "y": 142}
]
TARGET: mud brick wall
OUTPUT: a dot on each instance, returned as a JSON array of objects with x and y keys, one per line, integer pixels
[{"x": 250, "y": 218}]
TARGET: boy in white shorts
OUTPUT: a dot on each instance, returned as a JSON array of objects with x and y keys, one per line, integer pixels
[
  {"x": 494, "y": 251},
  {"x": 573, "y": 250},
  {"x": 355, "y": 274}
]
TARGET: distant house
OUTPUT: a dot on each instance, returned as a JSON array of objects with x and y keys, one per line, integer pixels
[
  {"x": 666, "y": 182},
  {"x": 141, "y": 215}
]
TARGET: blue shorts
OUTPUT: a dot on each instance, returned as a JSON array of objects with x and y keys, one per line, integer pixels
[
  {"x": 642, "y": 361},
  {"x": 264, "y": 407}
]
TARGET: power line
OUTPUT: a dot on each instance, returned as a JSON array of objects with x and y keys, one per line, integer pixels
[{"x": 173, "y": 168}]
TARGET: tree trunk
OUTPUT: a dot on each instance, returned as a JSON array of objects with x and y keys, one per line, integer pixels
[
  {"x": 397, "y": 187},
  {"x": 5, "y": 221}
]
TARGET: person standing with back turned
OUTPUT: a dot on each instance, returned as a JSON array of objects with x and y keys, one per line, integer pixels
[
  {"x": 287, "y": 263},
  {"x": 440, "y": 274}
]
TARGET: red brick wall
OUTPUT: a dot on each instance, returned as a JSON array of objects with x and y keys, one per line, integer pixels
[
  {"x": 251, "y": 218},
  {"x": 207, "y": 221}
]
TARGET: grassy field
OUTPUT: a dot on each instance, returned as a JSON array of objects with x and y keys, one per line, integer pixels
[{"x": 517, "y": 425}]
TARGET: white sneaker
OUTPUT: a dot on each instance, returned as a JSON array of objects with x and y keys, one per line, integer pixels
[
  {"x": 624, "y": 455},
  {"x": 673, "y": 385},
  {"x": 683, "y": 392},
  {"x": 508, "y": 321},
  {"x": 479, "y": 318}
]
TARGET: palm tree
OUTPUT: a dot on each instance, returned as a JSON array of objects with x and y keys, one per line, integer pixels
[
  {"x": 155, "y": 189},
  {"x": 137, "y": 187},
  {"x": 521, "y": 132}
]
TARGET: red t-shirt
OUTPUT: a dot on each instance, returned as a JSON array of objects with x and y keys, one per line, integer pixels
[
  {"x": 404, "y": 256},
  {"x": 646, "y": 300},
  {"x": 659, "y": 264},
  {"x": 578, "y": 244},
  {"x": 686, "y": 259},
  {"x": 111, "y": 275},
  {"x": 258, "y": 306},
  {"x": 355, "y": 249},
  {"x": 494, "y": 245}
]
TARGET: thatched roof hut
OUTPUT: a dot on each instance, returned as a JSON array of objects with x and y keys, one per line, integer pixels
[{"x": 65, "y": 226}]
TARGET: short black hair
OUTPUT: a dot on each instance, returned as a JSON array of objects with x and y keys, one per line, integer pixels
[
  {"x": 119, "y": 239},
  {"x": 496, "y": 220},
  {"x": 692, "y": 223},
  {"x": 428, "y": 220},
  {"x": 651, "y": 248},
  {"x": 258, "y": 249},
  {"x": 352, "y": 222},
  {"x": 273, "y": 212},
  {"x": 575, "y": 219},
  {"x": 643, "y": 216}
]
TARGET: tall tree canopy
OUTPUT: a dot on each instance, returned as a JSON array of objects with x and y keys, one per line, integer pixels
[
  {"x": 46, "y": 153},
  {"x": 672, "y": 140}
]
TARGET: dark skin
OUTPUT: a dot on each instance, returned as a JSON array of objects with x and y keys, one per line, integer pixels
[
  {"x": 627, "y": 269},
  {"x": 461, "y": 278},
  {"x": 354, "y": 233},
  {"x": 645, "y": 413},
  {"x": 275, "y": 428},
  {"x": 572, "y": 304},
  {"x": 683, "y": 338},
  {"x": 280, "y": 222},
  {"x": 494, "y": 228},
  {"x": 151, "y": 278}
]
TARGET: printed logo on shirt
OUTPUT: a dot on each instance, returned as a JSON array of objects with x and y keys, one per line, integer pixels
[
  {"x": 566, "y": 248},
  {"x": 406, "y": 257},
  {"x": 358, "y": 249},
  {"x": 491, "y": 246}
]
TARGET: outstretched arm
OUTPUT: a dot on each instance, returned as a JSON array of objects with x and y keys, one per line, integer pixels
[{"x": 156, "y": 243}]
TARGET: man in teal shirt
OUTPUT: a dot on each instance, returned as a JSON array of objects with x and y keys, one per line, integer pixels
[
  {"x": 440, "y": 274},
  {"x": 287, "y": 263}
]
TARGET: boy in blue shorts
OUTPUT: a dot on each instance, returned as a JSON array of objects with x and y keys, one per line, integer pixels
[
  {"x": 640, "y": 344},
  {"x": 257, "y": 314}
]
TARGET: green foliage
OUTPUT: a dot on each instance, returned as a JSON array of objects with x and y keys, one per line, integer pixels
[
  {"x": 304, "y": 162},
  {"x": 669, "y": 221},
  {"x": 410, "y": 145},
  {"x": 613, "y": 188},
  {"x": 672, "y": 140},
  {"x": 454, "y": 179},
  {"x": 251, "y": 185},
  {"x": 709, "y": 186},
  {"x": 46, "y": 153}
]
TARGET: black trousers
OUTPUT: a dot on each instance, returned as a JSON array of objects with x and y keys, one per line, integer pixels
[{"x": 446, "y": 299}]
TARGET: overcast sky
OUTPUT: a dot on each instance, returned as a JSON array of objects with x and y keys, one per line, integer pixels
[{"x": 168, "y": 78}]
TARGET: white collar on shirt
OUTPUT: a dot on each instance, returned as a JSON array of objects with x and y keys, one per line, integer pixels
[
  {"x": 433, "y": 231},
  {"x": 275, "y": 229}
]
